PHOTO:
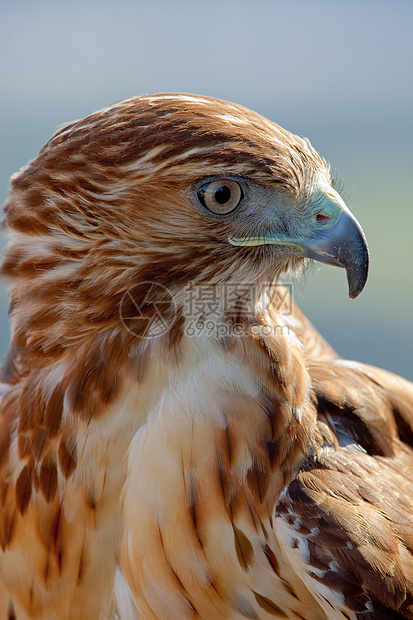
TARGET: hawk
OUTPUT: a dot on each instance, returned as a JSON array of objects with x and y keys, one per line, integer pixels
[{"x": 177, "y": 440}]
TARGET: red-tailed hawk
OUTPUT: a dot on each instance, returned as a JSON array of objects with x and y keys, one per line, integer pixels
[{"x": 177, "y": 441}]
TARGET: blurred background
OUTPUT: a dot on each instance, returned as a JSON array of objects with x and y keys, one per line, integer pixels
[{"x": 340, "y": 73}]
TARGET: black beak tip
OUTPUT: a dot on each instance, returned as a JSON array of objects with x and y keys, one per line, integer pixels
[{"x": 357, "y": 276}]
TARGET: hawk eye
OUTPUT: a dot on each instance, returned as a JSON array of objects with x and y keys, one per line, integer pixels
[{"x": 221, "y": 196}]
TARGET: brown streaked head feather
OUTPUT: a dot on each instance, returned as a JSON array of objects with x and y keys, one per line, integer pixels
[{"x": 105, "y": 206}]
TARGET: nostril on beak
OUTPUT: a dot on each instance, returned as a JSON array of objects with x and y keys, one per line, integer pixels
[{"x": 322, "y": 219}]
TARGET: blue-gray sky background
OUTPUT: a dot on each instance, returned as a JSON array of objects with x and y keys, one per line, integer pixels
[{"x": 340, "y": 73}]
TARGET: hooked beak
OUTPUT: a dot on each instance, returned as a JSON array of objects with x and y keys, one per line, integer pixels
[
  {"x": 343, "y": 245},
  {"x": 338, "y": 239}
]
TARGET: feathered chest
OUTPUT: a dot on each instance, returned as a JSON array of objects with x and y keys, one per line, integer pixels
[
  {"x": 203, "y": 476},
  {"x": 172, "y": 487}
]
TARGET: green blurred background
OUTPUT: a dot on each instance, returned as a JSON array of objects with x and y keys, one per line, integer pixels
[{"x": 339, "y": 72}]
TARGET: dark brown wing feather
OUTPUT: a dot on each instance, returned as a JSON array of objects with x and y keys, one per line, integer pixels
[{"x": 353, "y": 501}]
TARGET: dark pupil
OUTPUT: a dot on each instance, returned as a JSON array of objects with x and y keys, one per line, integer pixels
[{"x": 223, "y": 194}]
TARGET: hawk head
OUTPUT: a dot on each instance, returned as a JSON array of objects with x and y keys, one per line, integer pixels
[{"x": 166, "y": 189}]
